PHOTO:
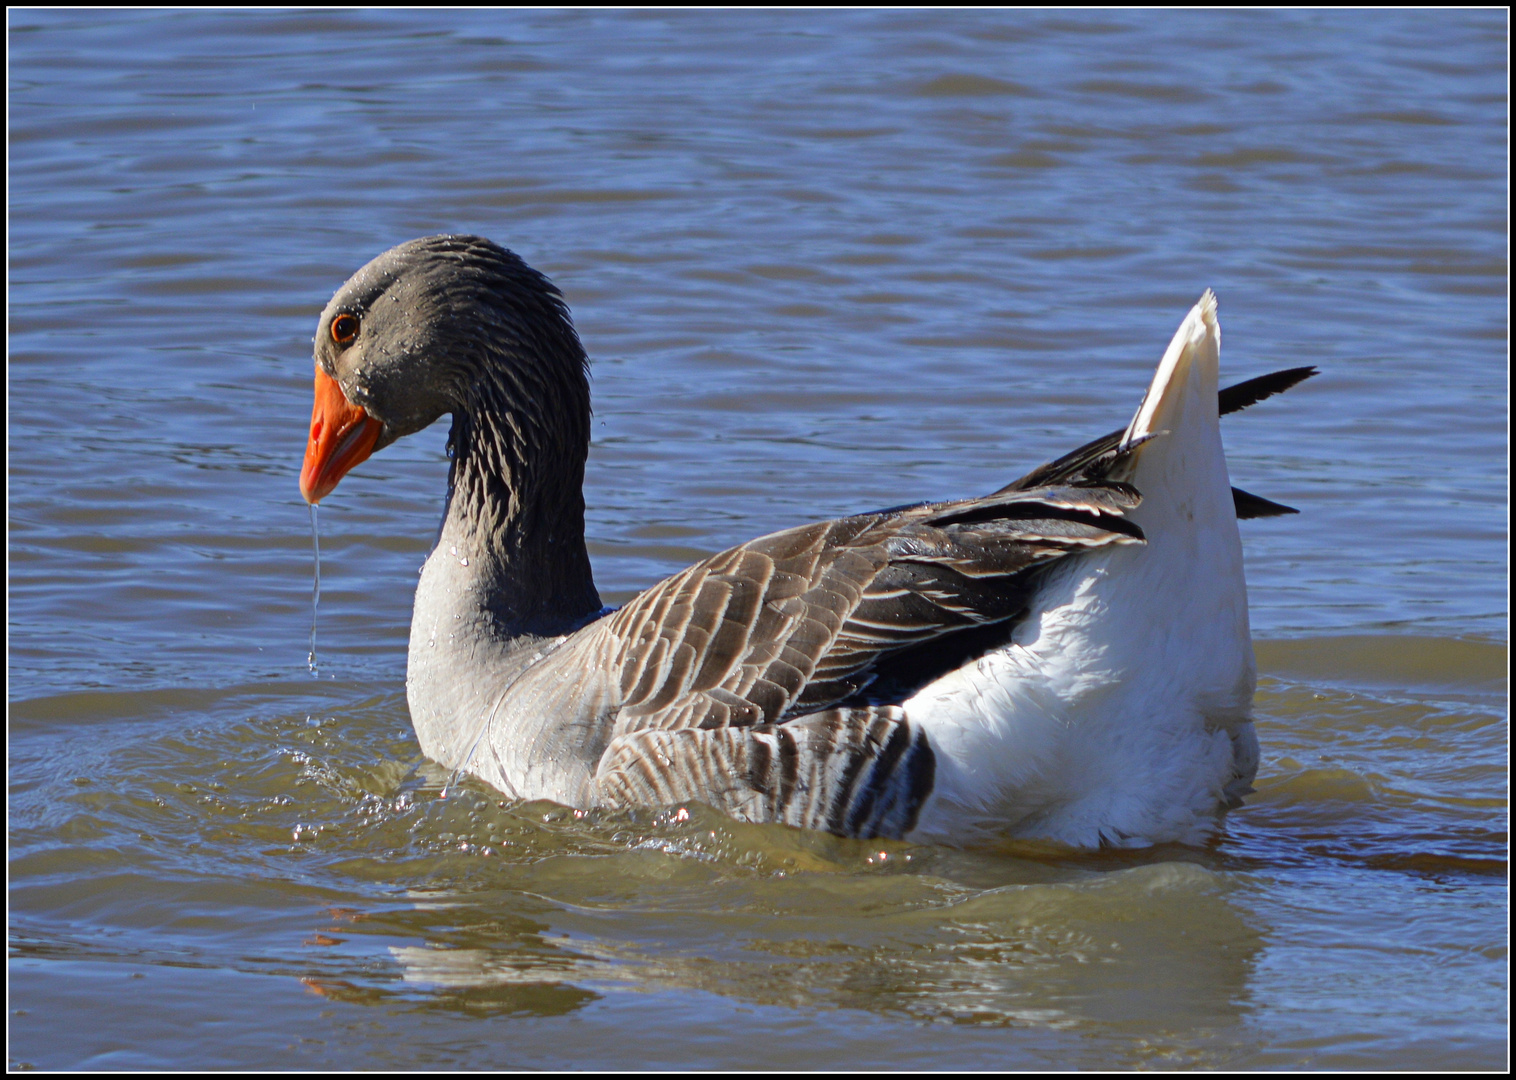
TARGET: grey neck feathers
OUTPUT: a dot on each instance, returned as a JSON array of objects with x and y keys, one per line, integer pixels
[{"x": 515, "y": 505}]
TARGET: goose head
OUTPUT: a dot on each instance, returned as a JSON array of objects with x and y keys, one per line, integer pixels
[{"x": 444, "y": 324}]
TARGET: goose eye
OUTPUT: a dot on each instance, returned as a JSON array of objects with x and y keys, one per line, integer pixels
[{"x": 344, "y": 329}]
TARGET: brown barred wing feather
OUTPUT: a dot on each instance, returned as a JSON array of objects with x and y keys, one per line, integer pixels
[
  {"x": 807, "y": 619},
  {"x": 861, "y": 772}
]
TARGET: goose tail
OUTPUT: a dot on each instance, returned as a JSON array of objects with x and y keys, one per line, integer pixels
[
  {"x": 1182, "y": 399},
  {"x": 1172, "y": 453},
  {"x": 1193, "y": 566}
]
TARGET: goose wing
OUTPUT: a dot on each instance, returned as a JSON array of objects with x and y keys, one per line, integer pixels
[
  {"x": 796, "y": 622},
  {"x": 745, "y": 679},
  {"x": 863, "y": 771}
]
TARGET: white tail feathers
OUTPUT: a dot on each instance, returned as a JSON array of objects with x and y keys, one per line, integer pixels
[{"x": 1186, "y": 378}]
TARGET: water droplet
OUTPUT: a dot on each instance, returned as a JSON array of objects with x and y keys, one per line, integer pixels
[{"x": 310, "y": 660}]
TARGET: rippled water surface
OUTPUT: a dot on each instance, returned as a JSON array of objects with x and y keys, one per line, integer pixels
[{"x": 823, "y": 262}]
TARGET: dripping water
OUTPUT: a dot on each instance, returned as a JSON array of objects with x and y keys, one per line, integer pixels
[{"x": 316, "y": 589}]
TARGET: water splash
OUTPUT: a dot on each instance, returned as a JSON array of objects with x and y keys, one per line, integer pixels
[{"x": 316, "y": 589}]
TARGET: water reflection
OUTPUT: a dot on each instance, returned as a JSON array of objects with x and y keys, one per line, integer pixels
[{"x": 1156, "y": 947}]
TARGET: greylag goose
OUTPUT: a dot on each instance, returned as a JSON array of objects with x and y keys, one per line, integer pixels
[{"x": 1066, "y": 659}]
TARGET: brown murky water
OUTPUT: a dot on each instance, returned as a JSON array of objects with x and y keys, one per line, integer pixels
[{"x": 823, "y": 262}]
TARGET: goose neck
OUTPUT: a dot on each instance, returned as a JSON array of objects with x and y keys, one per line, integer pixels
[{"x": 513, "y": 531}]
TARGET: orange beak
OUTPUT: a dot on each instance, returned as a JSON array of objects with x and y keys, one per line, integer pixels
[{"x": 342, "y": 435}]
